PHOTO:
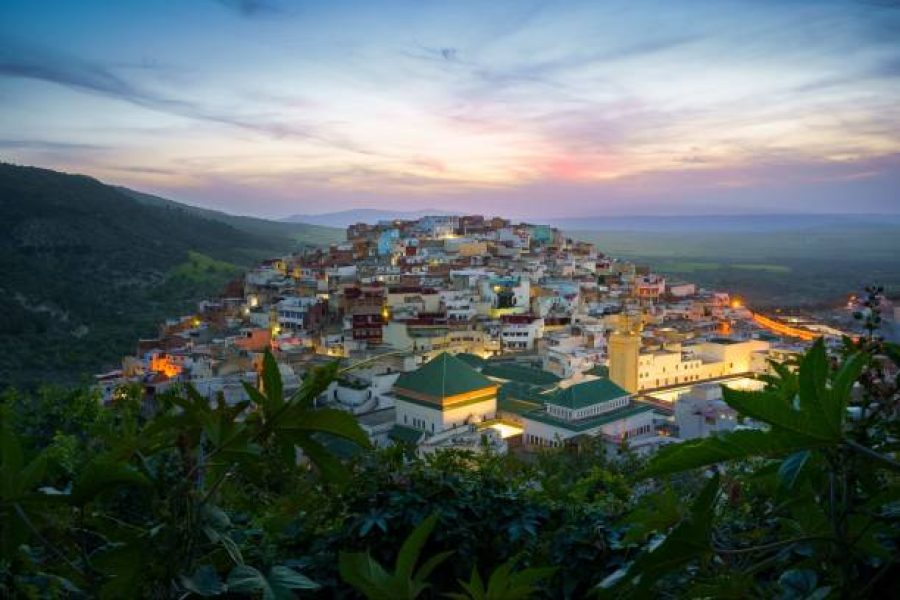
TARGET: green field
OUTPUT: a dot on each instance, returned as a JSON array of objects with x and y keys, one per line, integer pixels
[
  {"x": 200, "y": 268},
  {"x": 809, "y": 267}
]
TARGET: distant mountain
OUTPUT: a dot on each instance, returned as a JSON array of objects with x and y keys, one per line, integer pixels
[
  {"x": 362, "y": 215},
  {"x": 720, "y": 223},
  {"x": 86, "y": 268}
]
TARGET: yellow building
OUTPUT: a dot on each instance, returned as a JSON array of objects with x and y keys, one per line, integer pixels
[{"x": 624, "y": 347}]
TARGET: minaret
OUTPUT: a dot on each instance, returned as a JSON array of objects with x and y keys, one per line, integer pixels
[{"x": 623, "y": 347}]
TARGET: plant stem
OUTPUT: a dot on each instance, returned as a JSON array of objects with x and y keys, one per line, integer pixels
[
  {"x": 772, "y": 546},
  {"x": 886, "y": 460}
]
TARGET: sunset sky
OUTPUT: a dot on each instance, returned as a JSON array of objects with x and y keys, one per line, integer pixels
[{"x": 531, "y": 109}]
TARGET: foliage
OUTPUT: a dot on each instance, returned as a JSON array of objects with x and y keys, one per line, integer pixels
[
  {"x": 808, "y": 502},
  {"x": 141, "y": 510},
  {"x": 406, "y": 582},
  {"x": 503, "y": 584},
  {"x": 192, "y": 496}
]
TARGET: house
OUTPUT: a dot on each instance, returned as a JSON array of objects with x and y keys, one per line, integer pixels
[
  {"x": 444, "y": 393},
  {"x": 595, "y": 408}
]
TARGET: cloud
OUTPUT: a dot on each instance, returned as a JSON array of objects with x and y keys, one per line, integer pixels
[
  {"x": 252, "y": 8},
  {"x": 48, "y": 145},
  {"x": 87, "y": 76}
]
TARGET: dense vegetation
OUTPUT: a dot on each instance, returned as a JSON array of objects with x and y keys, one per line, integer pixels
[
  {"x": 87, "y": 269},
  {"x": 192, "y": 499}
]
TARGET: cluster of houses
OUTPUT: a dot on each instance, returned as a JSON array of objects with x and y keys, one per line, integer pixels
[{"x": 470, "y": 332}]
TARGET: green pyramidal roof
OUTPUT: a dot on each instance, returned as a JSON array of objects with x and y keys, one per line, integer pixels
[
  {"x": 443, "y": 376},
  {"x": 587, "y": 394}
]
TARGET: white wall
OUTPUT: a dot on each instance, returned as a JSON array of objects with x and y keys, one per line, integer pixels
[{"x": 434, "y": 420}]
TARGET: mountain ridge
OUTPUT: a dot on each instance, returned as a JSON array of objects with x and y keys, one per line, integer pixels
[{"x": 88, "y": 269}]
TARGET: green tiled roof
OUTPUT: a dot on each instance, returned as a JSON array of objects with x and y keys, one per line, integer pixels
[
  {"x": 443, "y": 376},
  {"x": 512, "y": 372},
  {"x": 587, "y": 394},
  {"x": 585, "y": 424},
  {"x": 473, "y": 360},
  {"x": 518, "y": 407},
  {"x": 523, "y": 391},
  {"x": 599, "y": 371},
  {"x": 405, "y": 435}
]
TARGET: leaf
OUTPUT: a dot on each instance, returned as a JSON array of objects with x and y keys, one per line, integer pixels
[
  {"x": 104, "y": 473},
  {"x": 688, "y": 541},
  {"x": 798, "y": 583},
  {"x": 286, "y": 578},
  {"x": 362, "y": 572},
  {"x": 123, "y": 564},
  {"x": 329, "y": 466},
  {"x": 371, "y": 579},
  {"x": 315, "y": 382},
  {"x": 272, "y": 385},
  {"x": 247, "y": 579},
  {"x": 204, "y": 582},
  {"x": 726, "y": 446},
  {"x": 326, "y": 420},
  {"x": 820, "y": 407},
  {"x": 256, "y": 397},
  {"x": 657, "y": 512},
  {"x": 772, "y": 408},
  {"x": 790, "y": 468},
  {"x": 412, "y": 546},
  {"x": 842, "y": 386}
]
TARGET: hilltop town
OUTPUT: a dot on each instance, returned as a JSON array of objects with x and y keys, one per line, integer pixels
[{"x": 474, "y": 332}]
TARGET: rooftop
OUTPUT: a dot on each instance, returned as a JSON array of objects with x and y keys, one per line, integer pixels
[
  {"x": 587, "y": 394},
  {"x": 513, "y": 372},
  {"x": 443, "y": 376},
  {"x": 585, "y": 424}
]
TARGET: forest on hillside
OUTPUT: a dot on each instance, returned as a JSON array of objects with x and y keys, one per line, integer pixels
[{"x": 87, "y": 270}]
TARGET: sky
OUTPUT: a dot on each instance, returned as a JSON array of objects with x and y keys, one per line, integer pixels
[{"x": 524, "y": 109}]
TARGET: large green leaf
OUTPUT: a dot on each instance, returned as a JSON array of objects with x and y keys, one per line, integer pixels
[
  {"x": 275, "y": 585},
  {"x": 503, "y": 584},
  {"x": 286, "y": 578},
  {"x": 368, "y": 577},
  {"x": 272, "y": 386},
  {"x": 656, "y": 512},
  {"x": 365, "y": 574},
  {"x": 724, "y": 447},
  {"x": 325, "y": 420},
  {"x": 842, "y": 385},
  {"x": 790, "y": 468},
  {"x": 688, "y": 541},
  {"x": 104, "y": 473},
  {"x": 412, "y": 546},
  {"x": 327, "y": 463},
  {"x": 204, "y": 582},
  {"x": 817, "y": 405},
  {"x": 245, "y": 579},
  {"x": 772, "y": 408}
]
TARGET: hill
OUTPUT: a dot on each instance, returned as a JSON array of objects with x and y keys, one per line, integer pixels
[
  {"x": 302, "y": 232},
  {"x": 87, "y": 269},
  {"x": 362, "y": 215}
]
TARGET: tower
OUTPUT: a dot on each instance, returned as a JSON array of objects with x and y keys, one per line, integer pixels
[{"x": 624, "y": 347}]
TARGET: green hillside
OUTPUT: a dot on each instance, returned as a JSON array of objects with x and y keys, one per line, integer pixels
[
  {"x": 808, "y": 266},
  {"x": 87, "y": 269},
  {"x": 294, "y": 232}
]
